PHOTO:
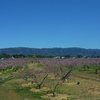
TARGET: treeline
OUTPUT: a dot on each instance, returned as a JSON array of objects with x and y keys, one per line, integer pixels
[
  {"x": 3, "y": 56},
  {"x": 25, "y": 56}
]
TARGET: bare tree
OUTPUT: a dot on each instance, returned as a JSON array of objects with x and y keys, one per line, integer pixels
[
  {"x": 25, "y": 75},
  {"x": 52, "y": 85},
  {"x": 39, "y": 77},
  {"x": 66, "y": 75}
]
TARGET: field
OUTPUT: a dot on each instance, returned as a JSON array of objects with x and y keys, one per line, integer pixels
[{"x": 50, "y": 79}]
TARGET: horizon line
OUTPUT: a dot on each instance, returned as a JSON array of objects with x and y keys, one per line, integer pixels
[{"x": 47, "y": 47}]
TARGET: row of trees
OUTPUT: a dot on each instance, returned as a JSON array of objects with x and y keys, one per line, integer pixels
[
  {"x": 80, "y": 64},
  {"x": 14, "y": 63},
  {"x": 44, "y": 56},
  {"x": 25, "y": 56}
]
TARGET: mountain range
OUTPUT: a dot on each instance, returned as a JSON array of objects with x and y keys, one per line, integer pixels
[{"x": 50, "y": 51}]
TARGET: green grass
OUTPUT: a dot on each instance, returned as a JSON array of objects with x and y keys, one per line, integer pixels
[
  {"x": 25, "y": 92},
  {"x": 88, "y": 73},
  {"x": 39, "y": 65}
]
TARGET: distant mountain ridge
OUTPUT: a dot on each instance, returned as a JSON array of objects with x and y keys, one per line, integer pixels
[{"x": 50, "y": 51}]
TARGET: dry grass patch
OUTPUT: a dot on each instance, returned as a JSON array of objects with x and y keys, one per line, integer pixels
[
  {"x": 22, "y": 69},
  {"x": 69, "y": 84},
  {"x": 51, "y": 76},
  {"x": 39, "y": 90},
  {"x": 15, "y": 72},
  {"x": 28, "y": 84},
  {"x": 16, "y": 80},
  {"x": 0, "y": 73},
  {"x": 9, "y": 69},
  {"x": 28, "y": 99},
  {"x": 32, "y": 65},
  {"x": 57, "y": 97},
  {"x": 30, "y": 79},
  {"x": 94, "y": 90}
]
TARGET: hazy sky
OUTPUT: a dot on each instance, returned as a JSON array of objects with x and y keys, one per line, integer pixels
[{"x": 50, "y": 23}]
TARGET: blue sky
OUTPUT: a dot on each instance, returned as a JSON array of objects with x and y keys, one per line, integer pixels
[{"x": 50, "y": 23}]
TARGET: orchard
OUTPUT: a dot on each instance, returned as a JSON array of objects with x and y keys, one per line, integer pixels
[{"x": 50, "y": 79}]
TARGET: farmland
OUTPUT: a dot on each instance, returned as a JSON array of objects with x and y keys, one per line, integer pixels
[{"x": 50, "y": 79}]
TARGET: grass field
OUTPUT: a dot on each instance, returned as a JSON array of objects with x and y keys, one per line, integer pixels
[{"x": 15, "y": 88}]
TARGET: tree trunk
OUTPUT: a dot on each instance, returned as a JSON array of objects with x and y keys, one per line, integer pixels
[
  {"x": 39, "y": 86},
  {"x": 32, "y": 82},
  {"x": 3, "y": 70},
  {"x": 84, "y": 68},
  {"x": 96, "y": 71},
  {"x": 53, "y": 94},
  {"x": 63, "y": 79}
]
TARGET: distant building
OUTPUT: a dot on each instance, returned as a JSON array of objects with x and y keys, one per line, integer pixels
[
  {"x": 1, "y": 58},
  {"x": 12, "y": 57}
]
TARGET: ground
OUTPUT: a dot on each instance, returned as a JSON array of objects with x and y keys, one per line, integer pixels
[{"x": 17, "y": 89}]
